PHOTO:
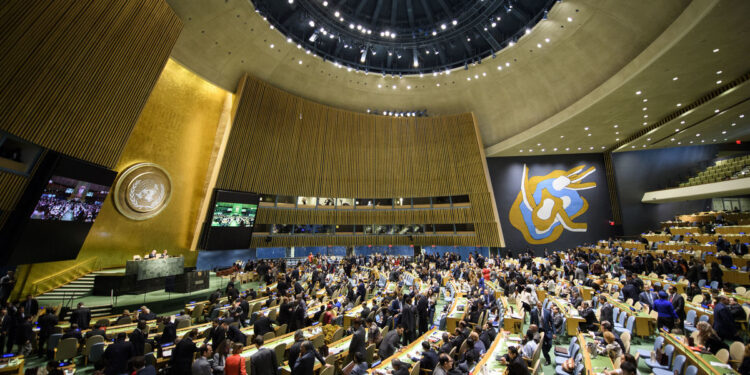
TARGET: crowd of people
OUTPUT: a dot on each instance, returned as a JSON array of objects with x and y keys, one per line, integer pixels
[{"x": 408, "y": 312}]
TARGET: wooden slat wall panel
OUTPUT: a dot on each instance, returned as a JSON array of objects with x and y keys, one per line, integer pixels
[
  {"x": 282, "y": 144},
  {"x": 76, "y": 74}
]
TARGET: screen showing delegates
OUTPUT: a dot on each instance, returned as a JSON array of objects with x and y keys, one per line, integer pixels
[
  {"x": 68, "y": 199},
  {"x": 233, "y": 215}
]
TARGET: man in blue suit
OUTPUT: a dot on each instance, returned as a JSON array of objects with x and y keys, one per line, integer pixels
[
  {"x": 549, "y": 333},
  {"x": 723, "y": 320}
]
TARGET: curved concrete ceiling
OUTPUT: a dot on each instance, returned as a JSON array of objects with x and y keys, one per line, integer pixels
[{"x": 585, "y": 60}]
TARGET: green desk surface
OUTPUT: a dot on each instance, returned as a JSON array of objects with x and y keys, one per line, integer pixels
[
  {"x": 705, "y": 362},
  {"x": 413, "y": 350}
]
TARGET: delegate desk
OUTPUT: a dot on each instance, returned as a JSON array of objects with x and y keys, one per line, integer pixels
[
  {"x": 596, "y": 364},
  {"x": 338, "y": 349},
  {"x": 706, "y": 363},
  {"x": 572, "y": 317},
  {"x": 489, "y": 365},
  {"x": 456, "y": 313},
  {"x": 409, "y": 352},
  {"x": 513, "y": 317}
]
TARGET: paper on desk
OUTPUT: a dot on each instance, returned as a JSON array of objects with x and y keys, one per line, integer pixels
[{"x": 719, "y": 364}]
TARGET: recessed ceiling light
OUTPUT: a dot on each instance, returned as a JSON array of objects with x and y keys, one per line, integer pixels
[
  {"x": 679, "y": 104},
  {"x": 645, "y": 108},
  {"x": 698, "y": 134},
  {"x": 586, "y": 128},
  {"x": 271, "y": 45},
  {"x": 645, "y": 100},
  {"x": 723, "y": 132},
  {"x": 546, "y": 40},
  {"x": 554, "y": 149},
  {"x": 300, "y": 62},
  {"x": 716, "y": 110},
  {"x": 676, "y": 130},
  {"x": 672, "y": 139},
  {"x": 719, "y": 72},
  {"x": 645, "y": 123},
  {"x": 538, "y": 144},
  {"x": 567, "y": 148},
  {"x": 530, "y": 150},
  {"x": 645, "y": 116},
  {"x": 520, "y": 150},
  {"x": 591, "y": 148},
  {"x": 734, "y": 123},
  {"x": 438, "y": 85},
  {"x": 570, "y": 19},
  {"x": 394, "y": 87},
  {"x": 542, "y": 150},
  {"x": 648, "y": 139},
  {"x": 675, "y": 78},
  {"x": 380, "y": 86},
  {"x": 603, "y": 147},
  {"x": 562, "y": 136},
  {"x": 617, "y": 133},
  {"x": 638, "y": 92},
  {"x": 716, "y": 50},
  {"x": 617, "y": 139},
  {"x": 589, "y": 134},
  {"x": 616, "y": 125},
  {"x": 682, "y": 122},
  {"x": 408, "y": 87},
  {"x": 632, "y": 146},
  {"x": 644, "y": 146},
  {"x": 579, "y": 149},
  {"x": 742, "y": 116},
  {"x": 718, "y": 82}
]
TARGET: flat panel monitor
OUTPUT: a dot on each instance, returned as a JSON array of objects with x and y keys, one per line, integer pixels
[
  {"x": 55, "y": 214},
  {"x": 231, "y": 221}
]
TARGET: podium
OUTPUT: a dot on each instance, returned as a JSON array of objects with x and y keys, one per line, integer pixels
[{"x": 140, "y": 276}]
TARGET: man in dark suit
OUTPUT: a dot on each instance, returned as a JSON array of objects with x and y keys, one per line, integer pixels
[
  {"x": 361, "y": 291},
  {"x": 235, "y": 335},
  {"x": 140, "y": 367},
  {"x": 31, "y": 306},
  {"x": 423, "y": 313},
  {"x": 409, "y": 321},
  {"x": 245, "y": 306},
  {"x": 262, "y": 326},
  {"x": 47, "y": 323},
  {"x": 429, "y": 358},
  {"x": 535, "y": 314},
  {"x": 116, "y": 356},
  {"x": 305, "y": 363},
  {"x": 217, "y": 333},
  {"x": 214, "y": 297},
  {"x": 723, "y": 321},
  {"x": 391, "y": 342},
  {"x": 72, "y": 331},
  {"x": 81, "y": 316},
  {"x": 399, "y": 368},
  {"x": 739, "y": 248},
  {"x": 182, "y": 355},
  {"x": 169, "y": 334},
  {"x": 24, "y": 335},
  {"x": 98, "y": 330},
  {"x": 146, "y": 314},
  {"x": 359, "y": 339},
  {"x": 630, "y": 291},
  {"x": 296, "y": 348},
  {"x": 263, "y": 362},
  {"x": 606, "y": 313},
  {"x": 548, "y": 327},
  {"x": 587, "y": 313},
  {"x": 678, "y": 302},
  {"x": 138, "y": 337},
  {"x": 396, "y": 305}
]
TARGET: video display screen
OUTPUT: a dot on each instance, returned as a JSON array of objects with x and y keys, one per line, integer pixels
[
  {"x": 234, "y": 215},
  {"x": 68, "y": 199}
]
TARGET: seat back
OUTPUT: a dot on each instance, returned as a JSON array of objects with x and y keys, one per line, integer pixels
[
  {"x": 690, "y": 317},
  {"x": 658, "y": 342},
  {"x": 631, "y": 323},
  {"x": 328, "y": 370},
  {"x": 737, "y": 351},
  {"x": 370, "y": 353},
  {"x": 95, "y": 352},
  {"x": 91, "y": 341},
  {"x": 698, "y": 298},
  {"x": 678, "y": 363},
  {"x": 102, "y": 322},
  {"x": 150, "y": 359},
  {"x": 124, "y": 320},
  {"x": 338, "y": 335},
  {"x": 668, "y": 351},
  {"x": 53, "y": 340},
  {"x": 723, "y": 355},
  {"x": 348, "y": 368},
  {"x": 615, "y": 312},
  {"x": 280, "y": 349},
  {"x": 621, "y": 318},
  {"x": 66, "y": 349},
  {"x": 182, "y": 323},
  {"x": 414, "y": 369},
  {"x": 703, "y": 318},
  {"x": 701, "y": 283},
  {"x": 714, "y": 285},
  {"x": 318, "y": 341},
  {"x": 272, "y": 314},
  {"x": 268, "y": 336},
  {"x": 281, "y": 330},
  {"x": 691, "y": 370},
  {"x": 331, "y": 359}
]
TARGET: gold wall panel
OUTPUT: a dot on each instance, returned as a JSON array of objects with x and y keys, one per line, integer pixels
[
  {"x": 283, "y": 144},
  {"x": 76, "y": 74},
  {"x": 175, "y": 130}
]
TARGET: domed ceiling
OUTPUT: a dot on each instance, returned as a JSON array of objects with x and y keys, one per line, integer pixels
[
  {"x": 403, "y": 36},
  {"x": 566, "y": 86}
]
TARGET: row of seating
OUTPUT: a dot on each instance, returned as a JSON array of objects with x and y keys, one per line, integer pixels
[{"x": 723, "y": 169}]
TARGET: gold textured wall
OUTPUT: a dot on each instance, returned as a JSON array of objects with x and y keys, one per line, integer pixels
[
  {"x": 283, "y": 144},
  {"x": 175, "y": 130}
]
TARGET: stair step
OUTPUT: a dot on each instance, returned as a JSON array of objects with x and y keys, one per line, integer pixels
[
  {"x": 82, "y": 282},
  {"x": 72, "y": 289}
]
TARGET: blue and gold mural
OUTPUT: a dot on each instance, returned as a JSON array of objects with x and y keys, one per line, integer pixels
[
  {"x": 546, "y": 205},
  {"x": 551, "y": 202}
]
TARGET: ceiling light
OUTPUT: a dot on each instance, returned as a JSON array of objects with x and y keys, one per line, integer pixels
[
  {"x": 616, "y": 133},
  {"x": 546, "y": 40},
  {"x": 493, "y": 24},
  {"x": 380, "y": 86},
  {"x": 567, "y": 148},
  {"x": 351, "y": 25},
  {"x": 539, "y": 45},
  {"x": 698, "y": 134},
  {"x": 672, "y": 139},
  {"x": 408, "y": 87},
  {"x": 675, "y": 78},
  {"x": 679, "y": 104},
  {"x": 530, "y": 150},
  {"x": 682, "y": 122},
  {"x": 438, "y": 85},
  {"x": 648, "y": 139},
  {"x": 742, "y": 116},
  {"x": 616, "y": 125},
  {"x": 443, "y": 26},
  {"x": 570, "y": 19},
  {"x": 645, "y": 108},
  {"x": 617, "y": 139},
  {"x": 716, "y": 50},
  {"x": 718, "y": 82},
  {"x": 288, "y": 40},
  {"x": 271, "y": 45},
  {"x": 300, "y": 62},
  {"x": 538, "y": 144},
  {"x": 394, "y": 87},
  {"x": 645, "y": 123},
  {"x": 311, "y": 23},
  {"x": 718, "y": 72},
  {"x": 520, "y": 150},
  {"x": 638, "y": 92},
  {"x": 336, "y": 13},
  {"x": 528, "y": 31},
  {"x": 542, "y": 150},
  {"x": 679, "y": 143},
  {"x": 716, "y": 110},
  {"x": 325, "y": 3},
  {"x": 591, "y": 148},
  {"x": 562, "y": 136},
  {"x": 554, "y": 149},
  {"x": 579, "y": 149},
  {"x": 734, "y": 123},
  {"x": 677, "y": 130},
  {"x": 363, "y": 57},
  {"x": 589, "y": 134},
  {"x": 586, "y": 128},
  {"x": 723, "y": 132},
  {"x": 645, "y": 116},
  {"x": 454, "y": 22},
  {"x": 499, "y": 67}
]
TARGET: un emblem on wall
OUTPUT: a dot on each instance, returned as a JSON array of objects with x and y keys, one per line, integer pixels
[{"x": 142, "y": 191}]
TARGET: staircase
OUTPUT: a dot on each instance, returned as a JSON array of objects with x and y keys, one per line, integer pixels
[
  {"x": 96, "y": 311},
  {"x": 78, "y": 288}
]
